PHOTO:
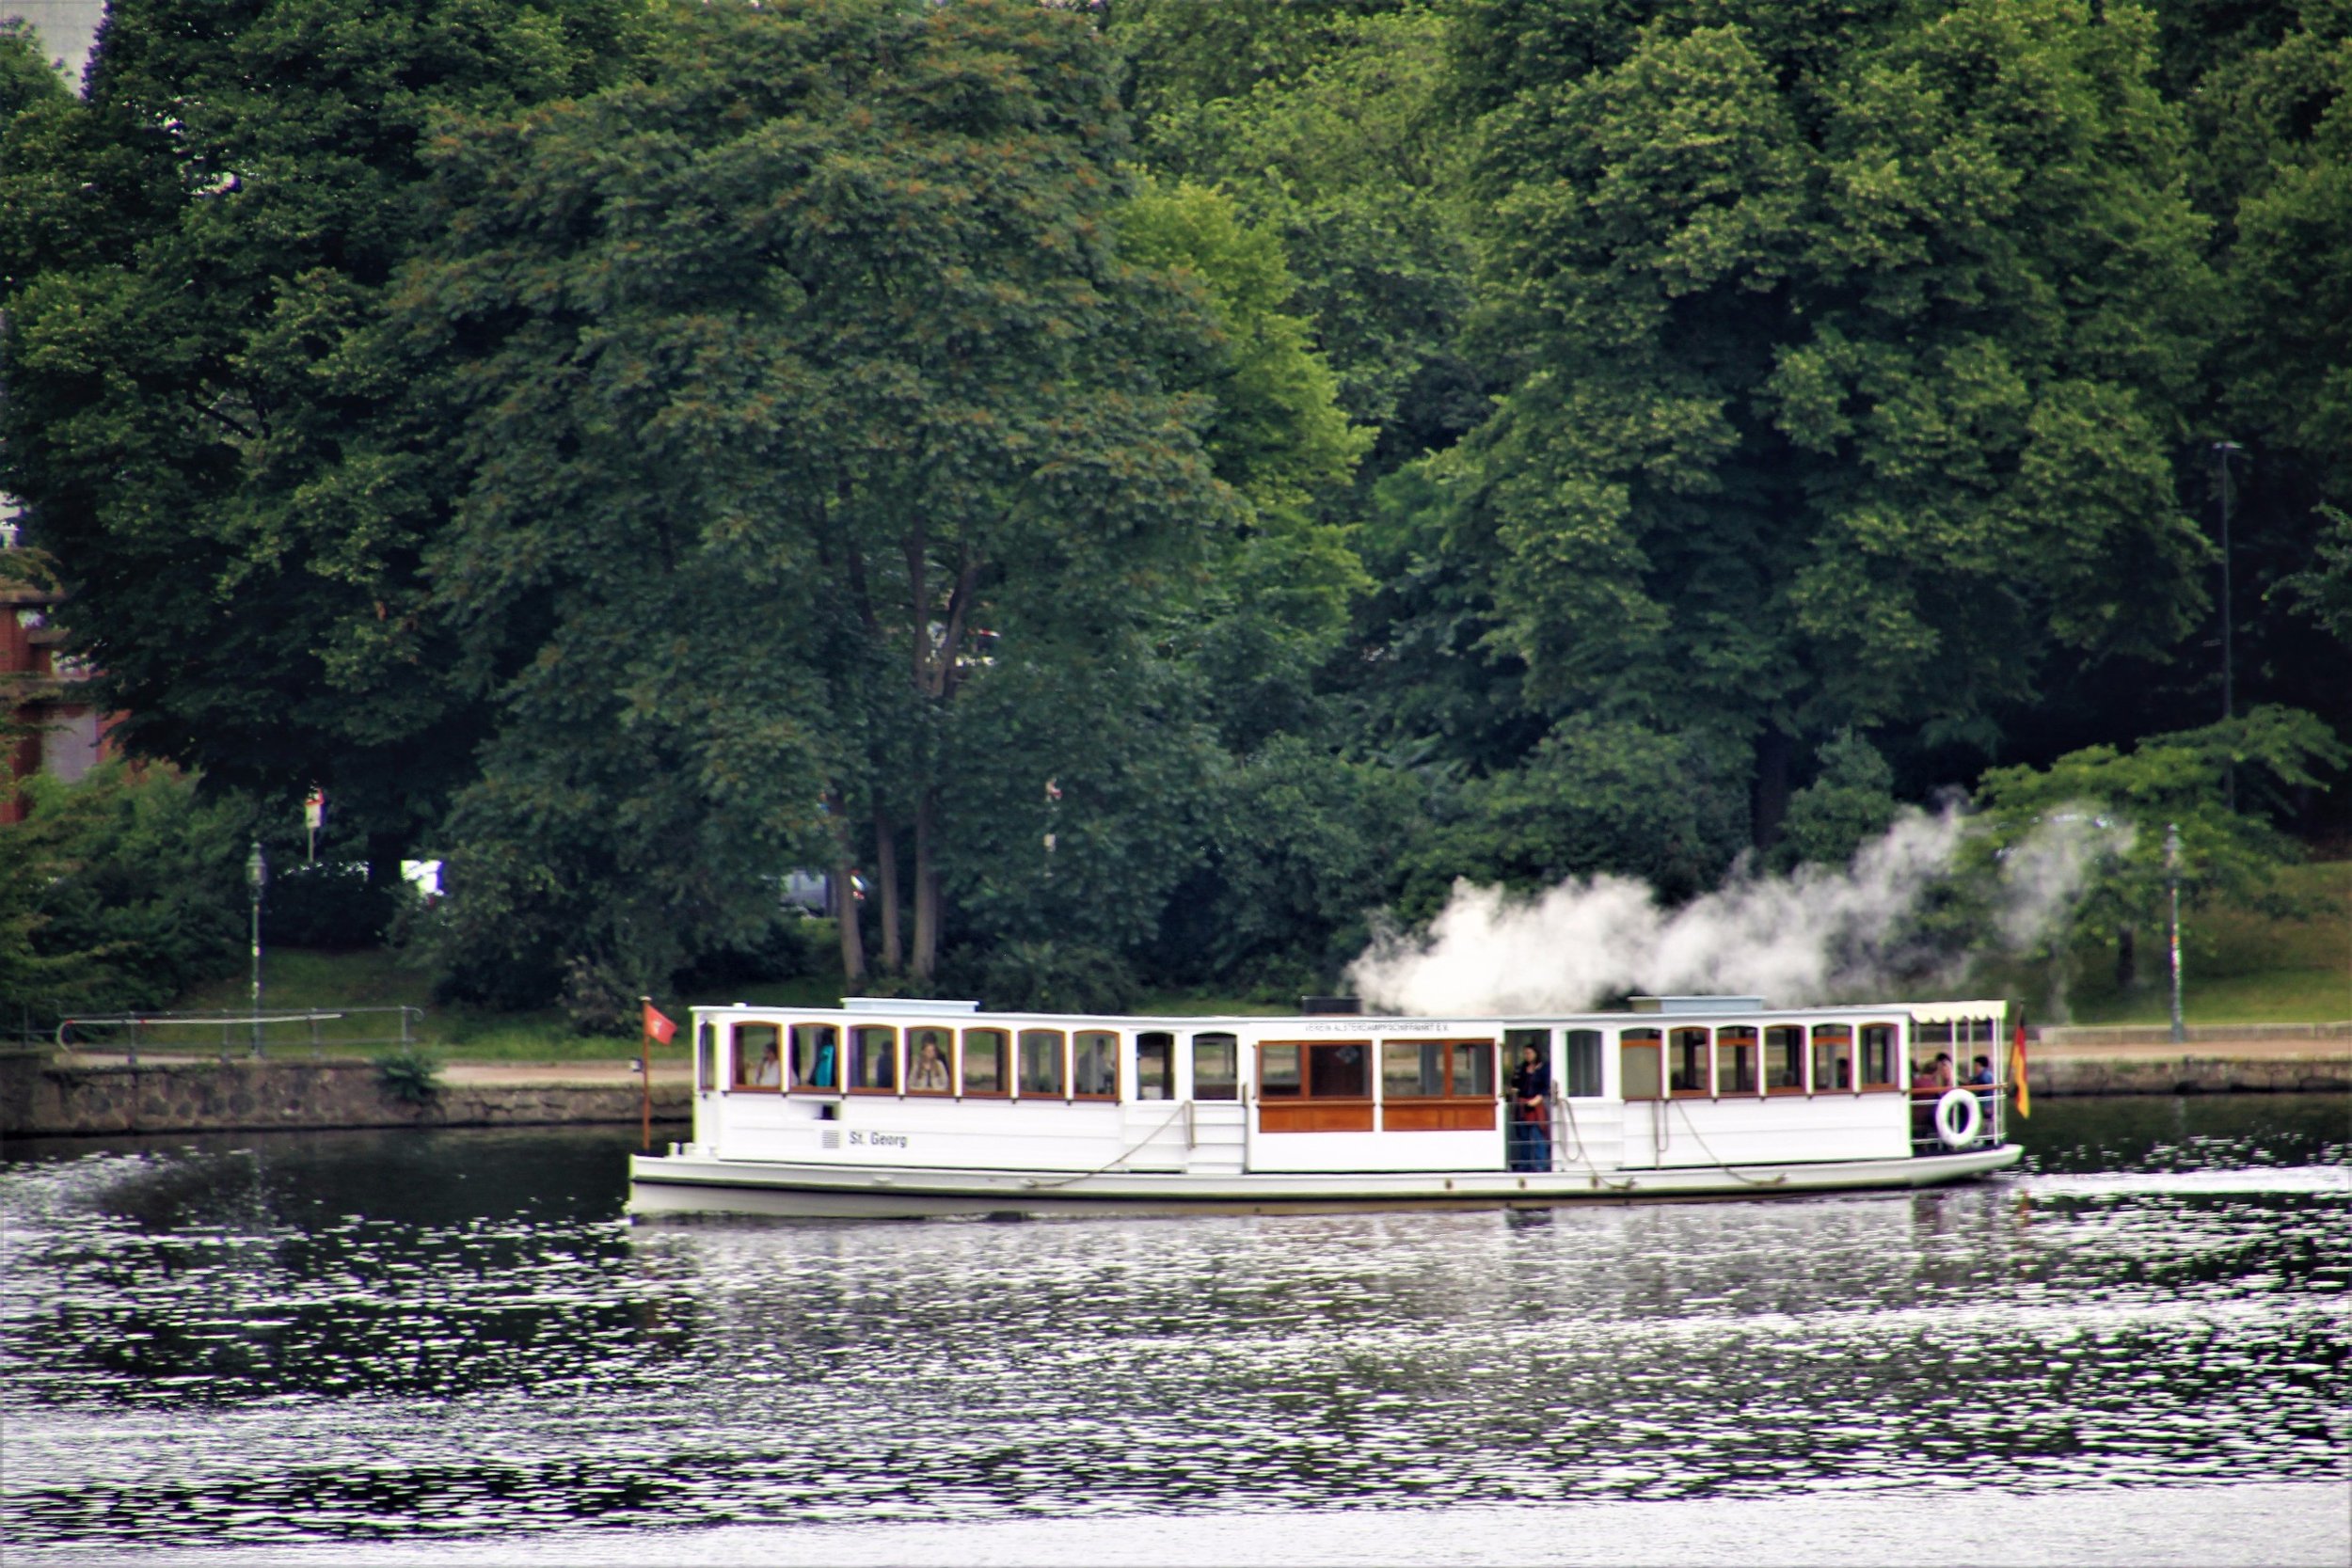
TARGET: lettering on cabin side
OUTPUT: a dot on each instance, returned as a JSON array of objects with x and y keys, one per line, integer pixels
[
  {"x": 878, "y": 1140},
  {"x": 1359, "y": 1027}
]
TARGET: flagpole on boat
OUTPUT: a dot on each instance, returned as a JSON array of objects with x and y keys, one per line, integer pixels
[{"x": 645, "y": 1072}]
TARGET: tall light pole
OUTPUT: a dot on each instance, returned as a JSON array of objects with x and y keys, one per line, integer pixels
[
  {"x": 2222, "y": 452},
  {"x": 2172, "y": 883},
  {"x": 257, "y": 878}
]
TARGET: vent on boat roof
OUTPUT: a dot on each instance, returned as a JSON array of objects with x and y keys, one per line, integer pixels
[
  {"x": 922, "y": 1006},
  {"x": 1331, "y": 1006},
  {"x": 1696, "y": 1004}
]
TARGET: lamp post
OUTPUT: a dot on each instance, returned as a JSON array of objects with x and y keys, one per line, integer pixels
[
  {"x": 2172, "y": 884},
  {"x": 257, "y": 878}
]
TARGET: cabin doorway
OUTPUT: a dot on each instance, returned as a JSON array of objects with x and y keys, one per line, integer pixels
[{"x": 1531, "y": 1090}]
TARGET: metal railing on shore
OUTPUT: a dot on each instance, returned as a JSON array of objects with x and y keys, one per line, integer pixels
[{"x": 225, "y": 1033}]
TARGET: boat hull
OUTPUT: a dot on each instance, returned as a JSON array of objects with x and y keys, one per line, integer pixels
[{"x": 680, "y": 1184}]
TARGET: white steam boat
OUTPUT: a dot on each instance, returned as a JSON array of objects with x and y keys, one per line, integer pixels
[{"x": 935, "y": 1108}]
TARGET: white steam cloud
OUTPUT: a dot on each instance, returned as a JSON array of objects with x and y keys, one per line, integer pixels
[{"x": 1815, "y": 936}]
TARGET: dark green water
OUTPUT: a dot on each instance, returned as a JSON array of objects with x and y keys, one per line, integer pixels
[{"x": 330, "y": 1343}]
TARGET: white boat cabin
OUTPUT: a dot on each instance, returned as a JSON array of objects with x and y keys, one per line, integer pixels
[{"x": 1678, "y": 1082}]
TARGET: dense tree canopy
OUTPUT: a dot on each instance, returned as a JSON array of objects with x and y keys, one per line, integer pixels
[{"x": 1141, "y": 488}]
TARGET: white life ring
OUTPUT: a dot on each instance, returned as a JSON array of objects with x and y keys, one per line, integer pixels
[{"x": 1957, "y": 1118}]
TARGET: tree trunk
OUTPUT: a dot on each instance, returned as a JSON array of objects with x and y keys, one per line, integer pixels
[
  {"x": 2127, "y": 959},
  {"x": 886, "y": 879},
  {"x": 1768, "y": 793},
  {"x": 845, "y": 897},
  {"x": 926, "y": 886}
]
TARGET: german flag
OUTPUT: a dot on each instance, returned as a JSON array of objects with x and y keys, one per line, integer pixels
[{"x": 2017, "y": 1069}]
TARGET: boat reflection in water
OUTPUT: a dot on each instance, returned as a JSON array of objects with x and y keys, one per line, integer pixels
[{"x": 928, "y": 1108}]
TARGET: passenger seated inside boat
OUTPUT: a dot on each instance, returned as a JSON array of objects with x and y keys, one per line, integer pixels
[
  {"x": 931, "y": 1074},
  {"x": 1936, "y": 1075},
  {"x": 1981, "y": 1072},
  {"x": 770, "y": 1070}
]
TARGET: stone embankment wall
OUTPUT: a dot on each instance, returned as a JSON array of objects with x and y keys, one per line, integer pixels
[
  {"x": 2188, "y": 1073},
  {"x": 41, "y": 1096}
]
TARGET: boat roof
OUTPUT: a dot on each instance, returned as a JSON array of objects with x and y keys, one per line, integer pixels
[{"x": 1339, "y": 1023}]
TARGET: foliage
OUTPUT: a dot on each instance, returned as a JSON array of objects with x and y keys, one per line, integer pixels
[
  {"x": 2324, "y": 590},
  {"x": 410, "y": 1077},
  {"x": 1850, "y": 803},
  {"x": 117, "y": 892},
  {"x": 198, "y": 420},
  {"x": 1057, "y": 977},
  {"x": 1597, "y": 795},
  {"x": 1843, "y": 360},
  {"x": 846, "y": 391},
  {"x": 2182, "y": 780}
]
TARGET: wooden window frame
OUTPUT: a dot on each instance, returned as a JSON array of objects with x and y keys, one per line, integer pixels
[
  {"x": 738, "y": 1081},
  {"x": 1021, "y": 1065},
  {"x": 1731, "y": 1038},
  {"x": 1451, "y": 1110},
  {"x": 1116, "y": 1045},
  {"x": 907, "y": 1059},
  {"x": 1706, "y": 1061},
  {"x": 1645, "y": 1038},
  {"x": 1005, "y": 1069},
  {"x": 855, "y": 1053},
  {"x": 1897, "y": 1055},
  {"x": 1833, "y": 1034},
  {"x": 791, "y": 1033},
  {"x": 1309, "y": 1112},
  {"x": 1803, "y": 1046}
]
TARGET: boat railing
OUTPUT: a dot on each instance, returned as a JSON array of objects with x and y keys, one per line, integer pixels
[{"x": 1926, "y": 1137}]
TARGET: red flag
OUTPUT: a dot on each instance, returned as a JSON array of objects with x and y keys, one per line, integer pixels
[
  {"x": 657, "y": 1029},
  {"x": 2017, "y": 1069}
]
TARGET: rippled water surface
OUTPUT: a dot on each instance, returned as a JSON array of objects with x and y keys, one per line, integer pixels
[{"x": 329, "y": 1344}]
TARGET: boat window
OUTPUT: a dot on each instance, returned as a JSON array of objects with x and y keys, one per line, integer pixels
[
  {"x": 1583, "y": 1063},
  {"x": 1041, "y": 1052},
  {"x": 816, "y": 1057},
  {"x": 984, "y": 1054},
  {"x": 1279, "y": 1073},
  {"x": 1686, "y": 1062},
  {"x": 1734, "y": 1061},
  {"x": 1338, "y": 1071},
  {"x": 873, "y": 1059},
  {"x": 1879, "y": 1056},
  {"x": 1638, "y": 1066},
  {"x": 1474, "y": 1070},
  {"x": 1215, "y": 1066},
  {"x": 1094, "y": 1065},
  {"x": 1156, "y": 1067},
  {"x": 930, "y": 1061},
  {"x": 758, "y": 1060},
  {"x": 1833, "y": 1057},
  {"x": 1783, "y": 1059},
  {"x": 1314, "y": 1086},
  {"x": 705, "y": 1057},
  {"x": 1412, "y": 1069}
]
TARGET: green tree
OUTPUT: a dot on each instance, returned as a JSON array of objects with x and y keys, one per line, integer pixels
[
  {"x": 804, "y": 399},
  {"x": 1846, "y": 355},
  {"x": 2183, "y": 780},
  {"x": 239, "y": 490},
  {"x": 118, "y": 890},
  {"x": 1851, "y": 803}
]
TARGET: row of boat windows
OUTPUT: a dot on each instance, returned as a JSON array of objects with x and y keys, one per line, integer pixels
[
  {"x": 983, "y": 1063},
  {"x": 1744, "y": 1060},
  {"x": 1085, "y": 1064}
]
